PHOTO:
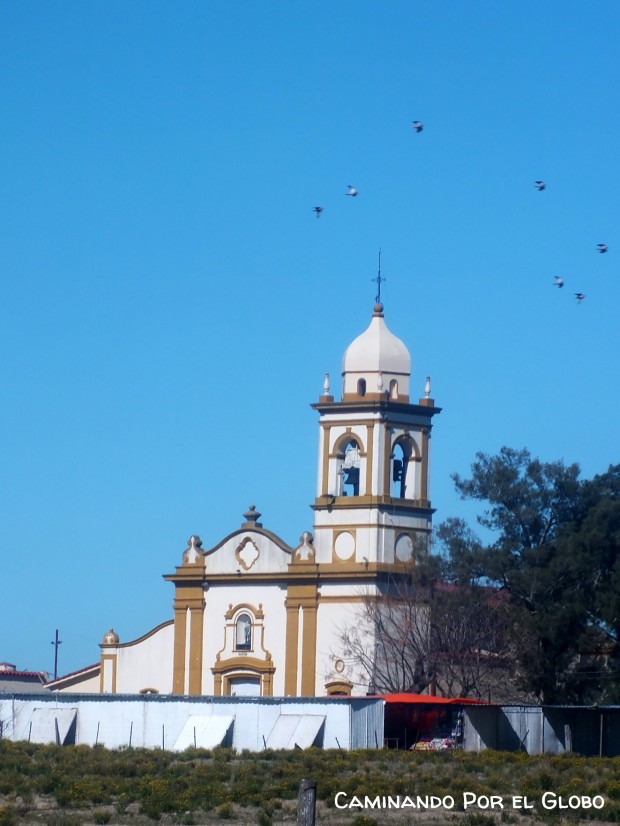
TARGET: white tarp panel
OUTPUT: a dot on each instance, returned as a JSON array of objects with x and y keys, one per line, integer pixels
[
  {"x": 49, "y": 725},
  {"x": 292, "y": 730},
  {"x": 203, "y": 732}
]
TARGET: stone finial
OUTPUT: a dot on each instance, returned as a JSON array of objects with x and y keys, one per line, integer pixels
[
  {"x": 193, "y": 550},
  {"x": 305, "y": 551},
  {"x": 111, "y": 637},
  {"x": 326, "y": 396},
  {"x": 426, "y": 400},
  {"x": 251, "y": 518}
]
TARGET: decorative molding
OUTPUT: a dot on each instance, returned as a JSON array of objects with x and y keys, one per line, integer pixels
[
  {"x": 244, "y": 606},
  {"x": 226, "y": 670},
  {"x": 340, "y": 687},
  {"x": 305, "y": 551},
  {"x": 193, "y": 553},
  {"x": 347, "y": 549},
  {"x": 245, "y": 556}
]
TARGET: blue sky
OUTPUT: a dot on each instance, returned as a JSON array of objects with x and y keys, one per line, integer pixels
[{"x": 170, "y": 302}]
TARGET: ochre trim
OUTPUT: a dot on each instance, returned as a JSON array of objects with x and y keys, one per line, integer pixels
[
  {"x": 292, "y": 648},
  {"x": 355, "y": 397},
  {"x": 370, "y": 430},
  {"x": 407, "y": 438},
  {"x": 339, "y": 687},
  {"x": 189, "y": 598},
  {"x": 112, "y": 659},
  {"x": 308, "y": 654},
  {"x": 364, "y": 404},
  {"x": 325, "y": 569},
  {"x": 357, "y": 502},
  {"x": 178, "y": 663},
  {"x": 244, "y": 606},
  {"x": 349, "y": 435},
  {"x": 386, "y": 482},
  {"x": 350, "y": 526},
  {"x": 304, "y": 596},
  {"x": 325, "y": 459},
  {"x": 425, "y": 464},
  {"x": 196, "y": 625},
  {"x": 226, "y": 670},
  {"x": 337, "y": 531}
]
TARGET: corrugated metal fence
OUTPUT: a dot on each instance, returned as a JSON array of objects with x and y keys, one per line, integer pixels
[
  {"x": 543, "y": 729},
  {"x": 158, "y": 721}
]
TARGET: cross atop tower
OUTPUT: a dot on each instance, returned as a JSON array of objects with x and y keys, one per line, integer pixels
[{"x": 379, "y": 280}]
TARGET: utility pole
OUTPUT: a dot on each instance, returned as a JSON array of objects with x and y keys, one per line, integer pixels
[{"x": 56, "y": 642}]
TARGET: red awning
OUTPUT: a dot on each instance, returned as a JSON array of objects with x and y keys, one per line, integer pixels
[{"x": 406, "y": 697}]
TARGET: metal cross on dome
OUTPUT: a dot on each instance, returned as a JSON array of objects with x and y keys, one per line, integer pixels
[{"x": 379, "y": 280}]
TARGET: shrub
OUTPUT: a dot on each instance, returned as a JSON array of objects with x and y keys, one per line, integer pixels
[
  {"x": 60, "y": 819},
  {"x": 477, "y": 819},
  {"x": 7, "y": 816}
]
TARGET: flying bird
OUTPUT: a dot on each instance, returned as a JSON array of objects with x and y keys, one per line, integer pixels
[
  {"x": 559, "y": 281},
  {"x": 602, "y": 247},
  {"x": 352, "y": 191},
  {"x": 318, "y": 211},
  {"x": 580, "y": 297},
  {"x": 540, "y": 185},
  {"x": 417, "y": 125}
]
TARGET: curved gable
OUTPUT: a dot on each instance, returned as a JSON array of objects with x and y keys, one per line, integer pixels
[{"x": 248, "y": 550}]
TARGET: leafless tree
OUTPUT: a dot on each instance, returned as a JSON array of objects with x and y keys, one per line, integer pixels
[
  {"x": 390, "y": 639},
  {"x": 415, "y": 633}
]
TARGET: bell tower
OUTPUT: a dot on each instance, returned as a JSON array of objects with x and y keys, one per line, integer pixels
[{"x": 372, "y": 504}]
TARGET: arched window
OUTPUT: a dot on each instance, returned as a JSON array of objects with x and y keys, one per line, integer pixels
[
  {"x": 361, "y": 387},
  {"x": 393, "y": 389},
  {"x": 400, "y": 462},
  {"x": 349, "y": 470},
  {"x": 243, "y": 633}
]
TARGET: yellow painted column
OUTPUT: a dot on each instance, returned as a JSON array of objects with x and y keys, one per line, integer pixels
[
  {"x": 292, "y": 645},
  {"x": 195, "y": 648},
  {"x": 325, "y": 469},
  {"x": 424, "y": 468},
  {"x": 189, "y": 600},
  {"x": 308, "y": 654},
  {"x": 180, "y": 632},
  {"x": 370, "y": 448}
]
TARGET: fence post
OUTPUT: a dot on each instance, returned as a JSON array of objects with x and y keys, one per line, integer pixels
[{"x": 306, "y": 803}]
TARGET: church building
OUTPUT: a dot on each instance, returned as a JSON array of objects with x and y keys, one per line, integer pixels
[{"x": 254, "y": 616}]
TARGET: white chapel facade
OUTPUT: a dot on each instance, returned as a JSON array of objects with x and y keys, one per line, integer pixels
[{"x": 255, "y": 616}]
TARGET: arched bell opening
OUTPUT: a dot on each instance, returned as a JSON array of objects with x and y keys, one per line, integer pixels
[
  {"x": 348, "y": 466},
  {"x": 405, "y": 456}
]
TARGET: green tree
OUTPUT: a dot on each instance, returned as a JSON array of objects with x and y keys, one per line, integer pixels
[{"x": 554, "y": 551}]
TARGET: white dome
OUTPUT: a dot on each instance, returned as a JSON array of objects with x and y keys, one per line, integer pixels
[{"x": 378, "y": 358}]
